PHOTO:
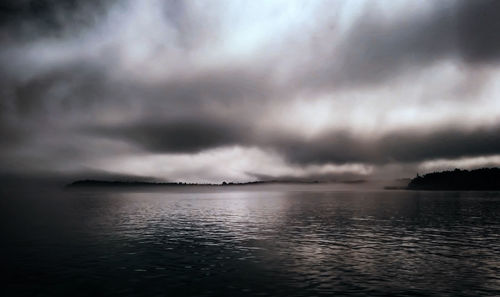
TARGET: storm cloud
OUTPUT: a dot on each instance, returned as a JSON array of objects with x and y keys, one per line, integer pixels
[
  {"x": 337, "y": 147},
  {"x": 304, "y": 89}
]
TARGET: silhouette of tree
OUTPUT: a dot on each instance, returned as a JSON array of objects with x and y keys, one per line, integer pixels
[{"x": 461, "y": 180}]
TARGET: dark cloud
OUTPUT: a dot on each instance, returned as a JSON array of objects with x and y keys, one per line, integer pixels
[
  {"x": 478, "y": 27},
  {"x": 396, "y": 147},
  {"x": 182, "y": 136},
  {"x": 59, "y": 90},
  {"x": 21, "y": 19},
  {"x": 378, "y": 49},
  {"x": 339, "y": 147}
]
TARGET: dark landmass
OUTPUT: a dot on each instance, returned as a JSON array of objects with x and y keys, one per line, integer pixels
[
  {"x": 484, "y": 179},
  {"x": 103, "y": 183}
]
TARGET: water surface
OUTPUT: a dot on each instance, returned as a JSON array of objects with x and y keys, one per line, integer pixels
[{"x": 250, "y": 241}]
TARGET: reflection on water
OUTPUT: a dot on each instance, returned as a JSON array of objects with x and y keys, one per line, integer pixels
[{"x": 248, "y": 242}]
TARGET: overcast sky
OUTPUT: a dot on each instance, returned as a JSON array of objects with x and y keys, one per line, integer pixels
[{"x": 206, "y": 91}]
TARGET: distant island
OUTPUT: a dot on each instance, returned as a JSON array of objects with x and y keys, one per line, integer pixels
[
  {"x": 103, "y": 183},
  {"x": 484, "y": 179}
]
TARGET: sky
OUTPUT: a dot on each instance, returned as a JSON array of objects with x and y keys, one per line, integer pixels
[{"x": 211, "y": 91}]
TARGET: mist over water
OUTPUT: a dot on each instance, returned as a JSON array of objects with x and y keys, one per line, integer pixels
[{"x": 250, "y": 241}]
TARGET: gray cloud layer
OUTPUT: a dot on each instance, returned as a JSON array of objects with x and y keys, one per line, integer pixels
[
  {"x": 78, "y": 70},
  {"x": 338, "y": 147},
  {"x": 378, "y": 49}
]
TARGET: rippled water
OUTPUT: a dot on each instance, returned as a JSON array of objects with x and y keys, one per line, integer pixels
[{"x": 250, "y": 241}]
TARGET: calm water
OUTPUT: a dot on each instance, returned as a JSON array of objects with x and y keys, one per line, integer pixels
[{"x": 249, "y": 241}]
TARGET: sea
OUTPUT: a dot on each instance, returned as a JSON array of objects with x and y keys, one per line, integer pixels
[{"x": 259, "y": 240}]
